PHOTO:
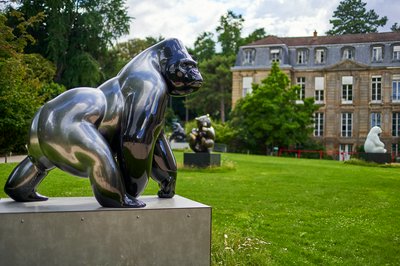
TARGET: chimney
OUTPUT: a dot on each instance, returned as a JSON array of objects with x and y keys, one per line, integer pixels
[{"x": 315, "y": 33}]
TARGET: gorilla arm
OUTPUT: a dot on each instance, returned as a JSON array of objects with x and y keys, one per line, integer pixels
[{"x": 164, "y": 167}]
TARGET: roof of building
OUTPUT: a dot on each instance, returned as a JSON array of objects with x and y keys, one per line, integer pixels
[{"x": 331, "y": 39}]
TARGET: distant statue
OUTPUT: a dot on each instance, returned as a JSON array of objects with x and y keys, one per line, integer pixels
[
  {"x": 201, "y": 139},
  {"x": 178, "y": 133},
  {"x": 373, "y": 144},
  {"x": 112, "y": 134}
]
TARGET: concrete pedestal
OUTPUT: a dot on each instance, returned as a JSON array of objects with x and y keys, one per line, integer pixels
[
  {"x": 202, "y": 159},
  {"x": 78, "y": 231},
  {"x": 377, "y": 157}
]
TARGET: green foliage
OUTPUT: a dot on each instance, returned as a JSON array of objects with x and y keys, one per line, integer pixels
[
  {"x": 254, "y": 36},
  {"x": 270, "y": 117},
  {"x": 73, "y": 31},
  {"x": 204, "y": 47},
  {"x": 395, "y": 27},
  {"x": 214, "y": 97},
  {"x": 229, "y": 32},
  {"x": 351, "y": 17},
  {"x": 24, "y": 82}
]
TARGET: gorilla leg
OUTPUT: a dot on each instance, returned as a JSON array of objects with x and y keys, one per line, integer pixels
[
  {"x": 23, "y": 181},
  {"x": 164, "y": 167},
  {"x": 93, "y": 156}
]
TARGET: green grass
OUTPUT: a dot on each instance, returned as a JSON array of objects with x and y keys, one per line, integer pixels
[{"x": 284, "y": 211}]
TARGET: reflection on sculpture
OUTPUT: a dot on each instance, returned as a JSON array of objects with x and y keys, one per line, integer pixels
[
  {"x": 373, "y": 144},
  {"x": 201, "y": 139},
  {"x": 112, "y": 134},
  {"x": 178, "y": 133}
]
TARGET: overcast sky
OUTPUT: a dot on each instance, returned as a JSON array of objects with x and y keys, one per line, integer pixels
[{"x": 186, "y": 19}]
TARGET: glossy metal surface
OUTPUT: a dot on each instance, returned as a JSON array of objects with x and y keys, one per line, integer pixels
[
  {"x": 202, "y": 138},
  {"x": 112, "y": 134},
  {"x": 178, "y": 133}
]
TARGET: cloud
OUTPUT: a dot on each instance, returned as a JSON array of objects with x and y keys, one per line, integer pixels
[{"x": 186, "y": 20}]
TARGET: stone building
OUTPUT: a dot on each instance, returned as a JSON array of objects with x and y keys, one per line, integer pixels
[{"x": 354, "y": 78}]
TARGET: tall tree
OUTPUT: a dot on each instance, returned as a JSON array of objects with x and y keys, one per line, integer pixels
[
  {"x": 25, "y": 81},
  {"x": 74, "y": 35},
  {"x": 351, "y": 17},
  {"x": 255, "y": 36},
  {"x": 395, "y": 27},
  {"x": 215, "y": 95},
  {"x": 270, "y": 117},
  {"x": 204, "y": 46},
  {"x": 229, "y": 33}
]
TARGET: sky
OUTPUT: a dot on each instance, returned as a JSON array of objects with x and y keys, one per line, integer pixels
[{"x": 187, "y": 19}]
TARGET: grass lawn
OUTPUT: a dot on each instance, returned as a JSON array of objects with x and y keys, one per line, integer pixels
[{"x": 284, "y": 211}]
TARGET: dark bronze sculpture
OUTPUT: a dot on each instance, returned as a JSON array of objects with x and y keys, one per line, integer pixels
[
  {"x": 201, "y": 139},
  {"x": 112, "y": 134},
  {"x": 178, "y": 133}
]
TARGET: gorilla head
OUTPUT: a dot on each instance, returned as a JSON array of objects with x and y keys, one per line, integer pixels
[{"x": 179, "y": 69}]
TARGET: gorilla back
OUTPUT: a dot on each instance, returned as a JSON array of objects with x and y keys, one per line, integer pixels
[{"x": 112, "y": 134}]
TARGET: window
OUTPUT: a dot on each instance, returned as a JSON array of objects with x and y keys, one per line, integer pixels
[
  {"x": 348, "y": 53},
  {"x": 375, "y": 119},
  {"x": 275, "y": 55},
  {"x": 347, "y": 90},
  {"x": 319, "y": 90},
  {"x": 318, "y": 124},
  {"x": 376, "y": 86},
  {"x": 396, "y": 53},
  {"x": 302, "y": 57},
  {"x": 301, "y": 82},
  {"x": 320, "y": 56},
  {"x": 347, "y": 122},
  {"x": 249, "y": 56},
  {"x": 396, "y": 124},
  {"x": 377, "y": 55},
  {"x": 395, "y": 149},
  {"x": 247, "y": 89},
  {"x": 396, "y": 88}
]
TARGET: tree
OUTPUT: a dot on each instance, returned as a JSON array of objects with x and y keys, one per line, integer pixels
[
  {"x": 215, "y": 94},
  {"x": 351, "y": 17},
  {"x": 204, "y": 46},
  {"x": 270, "y": 117},
  {"x": 25, "y": 81},
  {"x": 229, "y": 33},
  {"x": 255, "y": 36},
  {"x": 395, "y": 27},
  {"x": 75, "y": 34}
]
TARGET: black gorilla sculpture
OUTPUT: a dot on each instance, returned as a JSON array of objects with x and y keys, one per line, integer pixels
[
  {"x": 112, "y": 134},
  {"x": 201, "y": 139},
  {"x": 178, "y": 133}
]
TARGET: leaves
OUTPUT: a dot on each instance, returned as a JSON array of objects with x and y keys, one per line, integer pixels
[
  {"x": 351, "y": 17},
  {"x": 270, "y": 116}
]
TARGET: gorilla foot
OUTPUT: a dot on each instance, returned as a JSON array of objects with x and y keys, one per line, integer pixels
[
  {"x": 166, "y": 195},
  {"x": 25, "y": 197},
  {"x": 131, "y": 202}
]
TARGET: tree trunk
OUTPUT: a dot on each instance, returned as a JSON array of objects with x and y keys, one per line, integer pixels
[{"x": 222, "y": 108}]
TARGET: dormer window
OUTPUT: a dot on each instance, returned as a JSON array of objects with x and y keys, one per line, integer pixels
[
  {"x": 275, "y": 54},
  {"x": 249, "y": 56},
  {"x": 302, "y": 56},
  {"x": 396, "y": 52},
  {"x": 320, "y": 56},
  {"x": 377, "y": 54},
  {"x": 348, "y": 53}
]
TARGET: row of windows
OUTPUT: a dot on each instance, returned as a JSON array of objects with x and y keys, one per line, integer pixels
[
  {"x": 320, "y": 54},
  {"x": 347, "y": 123},
  {"x": 346, "y": 90}
]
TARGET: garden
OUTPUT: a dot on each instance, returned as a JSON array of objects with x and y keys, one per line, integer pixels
[{"x": 283, "y": 211}]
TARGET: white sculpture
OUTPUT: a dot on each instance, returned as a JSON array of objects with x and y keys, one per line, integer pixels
[{"x": 373, "y": 144}]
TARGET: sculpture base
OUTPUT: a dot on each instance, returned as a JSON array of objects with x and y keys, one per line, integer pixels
[
  {"x": 78, "y": 231},
  {"x": 377, "y": 157},
  {"x": 202, "y": 159}
]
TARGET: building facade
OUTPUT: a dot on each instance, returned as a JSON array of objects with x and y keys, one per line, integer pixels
[{"x": 355, "y": 80}]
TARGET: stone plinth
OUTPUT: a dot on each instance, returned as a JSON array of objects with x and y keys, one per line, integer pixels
[
  {"x": 377, "y": 157},
  {"x": 78, "y": 231},
  {"x": 202, "y": 159}
]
